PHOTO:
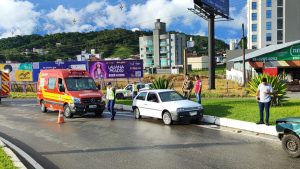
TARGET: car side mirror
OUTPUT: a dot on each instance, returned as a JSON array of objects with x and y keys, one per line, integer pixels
[{"x": 61, "y": 89}]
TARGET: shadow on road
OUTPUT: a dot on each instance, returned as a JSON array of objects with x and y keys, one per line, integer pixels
[{"x": 138, "y": 148}]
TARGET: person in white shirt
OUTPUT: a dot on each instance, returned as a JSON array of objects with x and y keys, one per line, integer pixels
[{"x": 263, "y": 96}]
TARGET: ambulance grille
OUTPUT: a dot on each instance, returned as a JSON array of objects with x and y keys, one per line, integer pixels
[{"x": 91, "y": 100}]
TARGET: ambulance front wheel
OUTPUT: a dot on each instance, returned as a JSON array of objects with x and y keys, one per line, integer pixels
[
  {"x": 99, "y": 113},
  {"x": 43, "y": 107},
  {"x": 67, "y": 111}
]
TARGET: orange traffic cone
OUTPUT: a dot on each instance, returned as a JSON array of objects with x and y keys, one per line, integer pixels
[{"x": 60, "y": 118}]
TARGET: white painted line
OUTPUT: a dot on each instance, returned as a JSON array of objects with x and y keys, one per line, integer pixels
[{"x": 23, "y": 154}]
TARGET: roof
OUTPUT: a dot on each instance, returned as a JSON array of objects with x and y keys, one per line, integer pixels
[
  {"x": 158, "y": 90},
  {"x": 265, "y": 50}
]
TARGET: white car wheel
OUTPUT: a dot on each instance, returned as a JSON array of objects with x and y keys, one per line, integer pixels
[
  {"x": 137, "y": 114},
  {"x": 167, "y": 118}
]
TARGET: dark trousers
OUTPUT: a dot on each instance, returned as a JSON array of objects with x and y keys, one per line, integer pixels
[
  {"x": 263, "y": 106},
  {"x": 111, "y": 107}
]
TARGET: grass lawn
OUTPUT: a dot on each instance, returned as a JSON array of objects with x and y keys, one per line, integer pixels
[
  {"x": 5, "y": 161},
  {"x": 245, "y": 109}
]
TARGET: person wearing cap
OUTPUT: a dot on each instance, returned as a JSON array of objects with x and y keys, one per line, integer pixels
[{"x": 110, "y": 97}]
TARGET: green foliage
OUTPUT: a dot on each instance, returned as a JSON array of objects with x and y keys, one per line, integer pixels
[
  {"x": 111, "y": 43},
  {"x": 276, "y": 82},
  {"x": 5, "y": 161},
  {"x": 161, "y": 83}
]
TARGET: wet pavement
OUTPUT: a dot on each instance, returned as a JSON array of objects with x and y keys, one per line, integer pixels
[{"x": 128, "y": 143}]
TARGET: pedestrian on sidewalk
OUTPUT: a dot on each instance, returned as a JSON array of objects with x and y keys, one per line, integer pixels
[
  {"x": 187, "y": 87},
  {"x": 135, "y": 90},
  {"x": 111, "y": 97},
  {"x": 263, "y": 96},
  {"x": 198, "y": 88}
]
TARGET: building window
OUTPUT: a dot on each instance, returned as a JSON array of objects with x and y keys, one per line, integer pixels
[
  {"x": 279, "y": 24},
  {"x": 280, "y": 12},
  {"x": 254, "y": 38},
  {"x": 269, "y": 14},
  {"x": 269, "y": 25},
  {"x": 279, "y": 2},
  {"x": 254, "y": 27},
  {"x": 254, "y": 5},
  {"x": 280, "y": 35},
  {"x": 269, "y": 3},
  {"x": 254, "y": 47},
  {"x": 269, "y": 37},
  {"x": 254, "y": 16}
]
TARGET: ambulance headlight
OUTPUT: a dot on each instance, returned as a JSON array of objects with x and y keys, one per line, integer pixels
[{"x": 76, "y": 100}]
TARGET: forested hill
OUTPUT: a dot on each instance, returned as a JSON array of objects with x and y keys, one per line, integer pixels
[{"x": 112, "y": 43}]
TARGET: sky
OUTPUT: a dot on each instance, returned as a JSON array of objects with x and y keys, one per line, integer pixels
[{"x": 25, "y": 17}]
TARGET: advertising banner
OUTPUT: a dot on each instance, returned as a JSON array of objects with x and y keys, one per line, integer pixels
[
  {"x": 23, "y": 76},
  {"x": 37, "y": 66},
  {"x": 219, "y": 5},
  {"x": 116, "y": 69},
  {"x": 291, "y": 53}
]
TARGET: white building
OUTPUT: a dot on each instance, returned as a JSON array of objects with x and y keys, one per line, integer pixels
[
  {"x": 162, "y": 50},
  {"x": 272, "y": 22}
]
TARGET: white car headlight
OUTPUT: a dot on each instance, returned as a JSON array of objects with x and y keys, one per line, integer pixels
[
  {"x": 76, "y": 100},
  {"x": 180, "y": 109}
]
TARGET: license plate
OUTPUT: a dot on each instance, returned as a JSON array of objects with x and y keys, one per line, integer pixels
[
  {"x": 92, "y": 106},
  {"x": 193, "y": 113}
]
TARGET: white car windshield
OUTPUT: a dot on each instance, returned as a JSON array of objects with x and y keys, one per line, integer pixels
[
  {"x": 80, "y": 83},
  {"x": 170, "y": 96}
]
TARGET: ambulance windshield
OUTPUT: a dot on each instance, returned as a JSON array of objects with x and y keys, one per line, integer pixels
[{"x": 80, "y": 83}]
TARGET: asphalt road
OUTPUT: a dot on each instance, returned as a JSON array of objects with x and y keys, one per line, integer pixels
[{"x": 127, "y": 143}]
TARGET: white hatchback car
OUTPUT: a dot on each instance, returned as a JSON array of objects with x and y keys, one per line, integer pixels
[{"x": 168, "y": 105}]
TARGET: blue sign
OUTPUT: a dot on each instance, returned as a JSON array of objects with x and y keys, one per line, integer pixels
[
  {"x": 37, "y": 66},
  {"x": 219, "y": 5}
]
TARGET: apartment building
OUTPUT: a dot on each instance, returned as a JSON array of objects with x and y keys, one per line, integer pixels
[
  {"x": 162, "y": 49},
  {"x": 272, "y": 22}
]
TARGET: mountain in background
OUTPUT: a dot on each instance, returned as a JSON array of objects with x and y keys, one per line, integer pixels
[{"x": 117, "y": 43}]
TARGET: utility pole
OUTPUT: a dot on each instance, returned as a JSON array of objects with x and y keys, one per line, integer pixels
[
  {"x": 184, "y": 62},
  {"x": 211, "y": 51},
  {"x": 244, "y": 64}
]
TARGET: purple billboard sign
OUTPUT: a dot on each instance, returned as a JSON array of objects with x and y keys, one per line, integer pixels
[{"x": 116, "y": 69}]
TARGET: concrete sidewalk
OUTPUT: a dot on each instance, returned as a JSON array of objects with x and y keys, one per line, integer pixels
[{"x": 242, "y": 125}]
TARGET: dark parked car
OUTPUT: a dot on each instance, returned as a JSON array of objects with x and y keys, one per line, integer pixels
[{"x": 289, "y": 133}]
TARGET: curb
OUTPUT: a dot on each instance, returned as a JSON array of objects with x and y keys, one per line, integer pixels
[
  {"x": 20, "y": 152},
  {"x": 242, "y": 125},
  {"x": 263, "y": 129},
  {"x": 15, "y": 160}
]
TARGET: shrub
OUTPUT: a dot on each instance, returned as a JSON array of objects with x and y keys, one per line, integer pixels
[
  {"x": 162, "y": 83},
  {"x": 279, "y": 87}
]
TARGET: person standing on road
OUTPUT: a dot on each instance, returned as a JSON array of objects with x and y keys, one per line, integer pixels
[
  {"x": 198, "y": 88},
  {"x": 134, "y": 89},
  {"x": 187, "y": 87},
  {"x": 264, "y": 100},
  {"x": 110, "y": 97}
]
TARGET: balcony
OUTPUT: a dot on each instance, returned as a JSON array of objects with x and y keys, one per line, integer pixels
[{"x": 163, "y": 44}]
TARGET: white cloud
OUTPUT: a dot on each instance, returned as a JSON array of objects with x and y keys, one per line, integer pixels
[
  {"x": 239, "y": 16},
  {"x": 17, "y": 18}
]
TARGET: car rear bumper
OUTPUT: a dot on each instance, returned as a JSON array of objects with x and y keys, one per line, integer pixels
[{"x": 186, "y": 116}]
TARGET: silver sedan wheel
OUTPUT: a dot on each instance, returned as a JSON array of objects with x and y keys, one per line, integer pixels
[
  {"x": 137, "y": 114},
  {"x": 167, "y": 118}
]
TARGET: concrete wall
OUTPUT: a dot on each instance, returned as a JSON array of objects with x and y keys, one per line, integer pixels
[
  {"x": 292, "y": 20},
  {"x": 198, "y": 63}
]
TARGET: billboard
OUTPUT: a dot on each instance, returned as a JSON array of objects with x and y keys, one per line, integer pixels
[
  {"x": 116, "y": 69},
  {"x": 18, "y": 72},
  {"x": 219, "y": 5},
  {"x": 37, "y": 66}
]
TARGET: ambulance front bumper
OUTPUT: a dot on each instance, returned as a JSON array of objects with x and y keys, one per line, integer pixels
[{"x": 80, "y": 108}]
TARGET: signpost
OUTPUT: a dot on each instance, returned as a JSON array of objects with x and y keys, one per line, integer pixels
[{"x": 211, "y": 10}]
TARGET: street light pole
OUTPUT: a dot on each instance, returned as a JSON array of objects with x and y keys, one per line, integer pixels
[{"x": 244, "y": 64}]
